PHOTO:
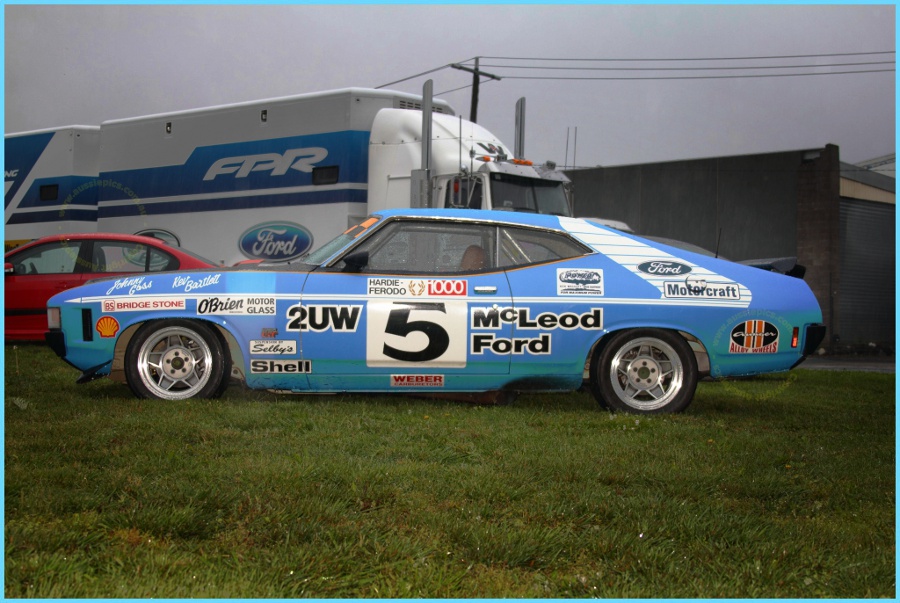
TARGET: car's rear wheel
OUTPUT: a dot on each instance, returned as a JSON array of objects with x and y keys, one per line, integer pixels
[
  {"x": 175, "y": 360},
  {"x": 645, "y": 371}
]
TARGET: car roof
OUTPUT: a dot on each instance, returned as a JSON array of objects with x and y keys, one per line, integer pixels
[
  {"x": 96, "y": 236},
  {"x": 482, "y": 215}
]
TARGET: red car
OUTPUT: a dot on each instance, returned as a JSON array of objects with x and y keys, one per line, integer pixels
[{"x": 42, "y": 268}]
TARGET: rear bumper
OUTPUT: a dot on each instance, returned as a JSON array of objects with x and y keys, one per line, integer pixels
[{"x": 815, "y": 334}]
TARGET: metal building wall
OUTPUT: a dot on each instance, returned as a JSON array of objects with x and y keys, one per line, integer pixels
[
  {"x": 767, "y": 205},
  {"x": 746, "y": 205}
]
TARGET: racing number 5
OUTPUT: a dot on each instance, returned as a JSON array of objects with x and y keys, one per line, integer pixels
[
  {"x": 399, "y": 324},
  {"x": 416, "y": 333}
]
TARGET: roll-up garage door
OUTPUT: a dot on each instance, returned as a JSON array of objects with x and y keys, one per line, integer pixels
[{"x": 866, "y": 293}]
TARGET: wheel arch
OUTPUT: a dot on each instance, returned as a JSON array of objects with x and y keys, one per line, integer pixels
[
  {"x": 701, "y": 354},
  {"x": 226, "y": 338}
]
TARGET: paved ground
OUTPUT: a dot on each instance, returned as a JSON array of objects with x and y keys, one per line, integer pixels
[{"x": 872, "y": 364}]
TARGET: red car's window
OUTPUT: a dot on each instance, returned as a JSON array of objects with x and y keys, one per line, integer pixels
[
  {"x": 122, "y": 256},
  {"x": 59, "y": 257}
]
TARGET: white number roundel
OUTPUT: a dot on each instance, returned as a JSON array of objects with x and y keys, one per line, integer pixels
[{"x": 416, "y": 333}]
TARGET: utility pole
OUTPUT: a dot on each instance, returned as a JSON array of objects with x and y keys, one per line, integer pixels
[{"x": 476, "y": 77}]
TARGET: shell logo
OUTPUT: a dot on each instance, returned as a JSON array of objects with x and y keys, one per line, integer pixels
[{"x": 107, "y": 326}]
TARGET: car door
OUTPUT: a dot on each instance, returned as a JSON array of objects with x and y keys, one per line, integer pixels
[
  {"x": 422, "y": 312},
  {"x": 558, "y": 295},
  {"x": 38, "y": 273}
]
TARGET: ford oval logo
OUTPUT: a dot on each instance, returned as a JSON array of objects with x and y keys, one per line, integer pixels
[
  {"x": 664, "y": 268},
  {"x": 275, "y": 241}
]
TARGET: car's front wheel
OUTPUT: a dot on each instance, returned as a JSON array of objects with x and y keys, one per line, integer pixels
[
  {"x": 645, "y": 371},
  {"x": 175, "y": 360}
]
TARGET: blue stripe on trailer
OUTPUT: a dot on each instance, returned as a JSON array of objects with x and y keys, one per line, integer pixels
[
  {"x": 254, "y": 165},
  {"x": 21, "y": 153},
  {"x": 52, "y": 216},
  {"x": 73, "y": 190},
  {"x": 136, "y": 208}
]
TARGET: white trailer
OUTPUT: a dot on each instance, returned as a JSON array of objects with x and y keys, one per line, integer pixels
[
  {"x": 273, "y": 179},
  {"x": 50, "y": 180}
]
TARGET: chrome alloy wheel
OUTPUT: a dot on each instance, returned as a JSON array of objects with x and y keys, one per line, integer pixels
[
  {"x": 174, "y": 363},
  {"x": 646, "y": 373}
]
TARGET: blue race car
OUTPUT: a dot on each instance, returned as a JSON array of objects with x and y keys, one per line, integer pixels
[{"x": 446, "y": 302}]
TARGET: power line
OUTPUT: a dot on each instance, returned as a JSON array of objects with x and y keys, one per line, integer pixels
[
  {"x": 696, "y": 77},
  {"x": 723, "y": 68},
  {"x": 745, "y": 68},
  {"x": 416, "y": 75},
  {"x": 751, "y": 58}
]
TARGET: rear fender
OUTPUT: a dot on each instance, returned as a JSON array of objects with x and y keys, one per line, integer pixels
[{"x": 700, "y": 352}]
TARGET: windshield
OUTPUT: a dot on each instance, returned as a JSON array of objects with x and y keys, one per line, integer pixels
[
  {"x": 320, "y": 255},
  {"x": 517, "y": 193}
]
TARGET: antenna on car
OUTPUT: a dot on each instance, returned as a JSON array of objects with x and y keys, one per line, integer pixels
[{"x": 718, "y": 238}]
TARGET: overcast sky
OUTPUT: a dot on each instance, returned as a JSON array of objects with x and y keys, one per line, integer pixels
[{"x": 67, "y": 65}]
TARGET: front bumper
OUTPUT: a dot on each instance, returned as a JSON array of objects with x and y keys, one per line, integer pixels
[{"x": 56, "y": 339}]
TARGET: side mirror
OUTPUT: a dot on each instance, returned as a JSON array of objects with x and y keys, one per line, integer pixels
[
  {"x": 356, "y": 261},
  {"x": 8, "y": 268}
]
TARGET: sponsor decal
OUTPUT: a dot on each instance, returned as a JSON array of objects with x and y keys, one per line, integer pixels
[
  {"x": 754, "y": 337},
  {"x": 417, "y": 381},
  {"x": 416, "y": 332},
  {"x": 301, "y": 160},
  {"x": 269, "y": 333},
  {"x": 481, "y": 342},
  {"x": 401, "y": 287},
  {"x": 143, "y": 304},
  {"x": 339, "y": 319},
  {"x": 274, "y": 367},
  {"x": 273, "y": 347},
  {"x": 134, "y": 284},
  {"x": 188, "y": 284},
  {"x": 701, "y": 290},
  {"x": 236, "y": 305},
  {"x": 275, "y": 241},
  {"x": 664, "y": 268},
  {"x": 570, "y": 281},
  {"x": 494, "y": 318},
  {"x": 521, "y": 319},
  {"x": 107, "y": 326}
]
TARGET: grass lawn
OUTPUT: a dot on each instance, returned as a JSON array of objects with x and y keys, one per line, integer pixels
[{"x": 780, "y": 486}]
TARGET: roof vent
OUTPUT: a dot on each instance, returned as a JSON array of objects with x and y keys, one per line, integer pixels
[{"x": 417, "y": 105}]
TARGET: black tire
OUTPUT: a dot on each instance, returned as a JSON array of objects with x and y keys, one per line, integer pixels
[
  {"x": 645, "y": 371},
  {"x": 175, "y": 360}
]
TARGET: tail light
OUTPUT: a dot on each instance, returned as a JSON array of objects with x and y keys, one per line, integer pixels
[{"x": 54, "y": 321}]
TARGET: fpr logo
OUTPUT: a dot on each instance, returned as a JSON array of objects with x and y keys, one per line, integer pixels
[{"x": 301, "y": 160}]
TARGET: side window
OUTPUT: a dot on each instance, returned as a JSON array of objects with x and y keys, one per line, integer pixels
[
  {"x": 420, "y": 247},
  {"x": 122, "y": 256},
  {"x": 464, "y": 193},
  {"x": 53, "y": 258},
  {"x": 522, "y": 246},
  {"x": 160, "y": 260}
]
